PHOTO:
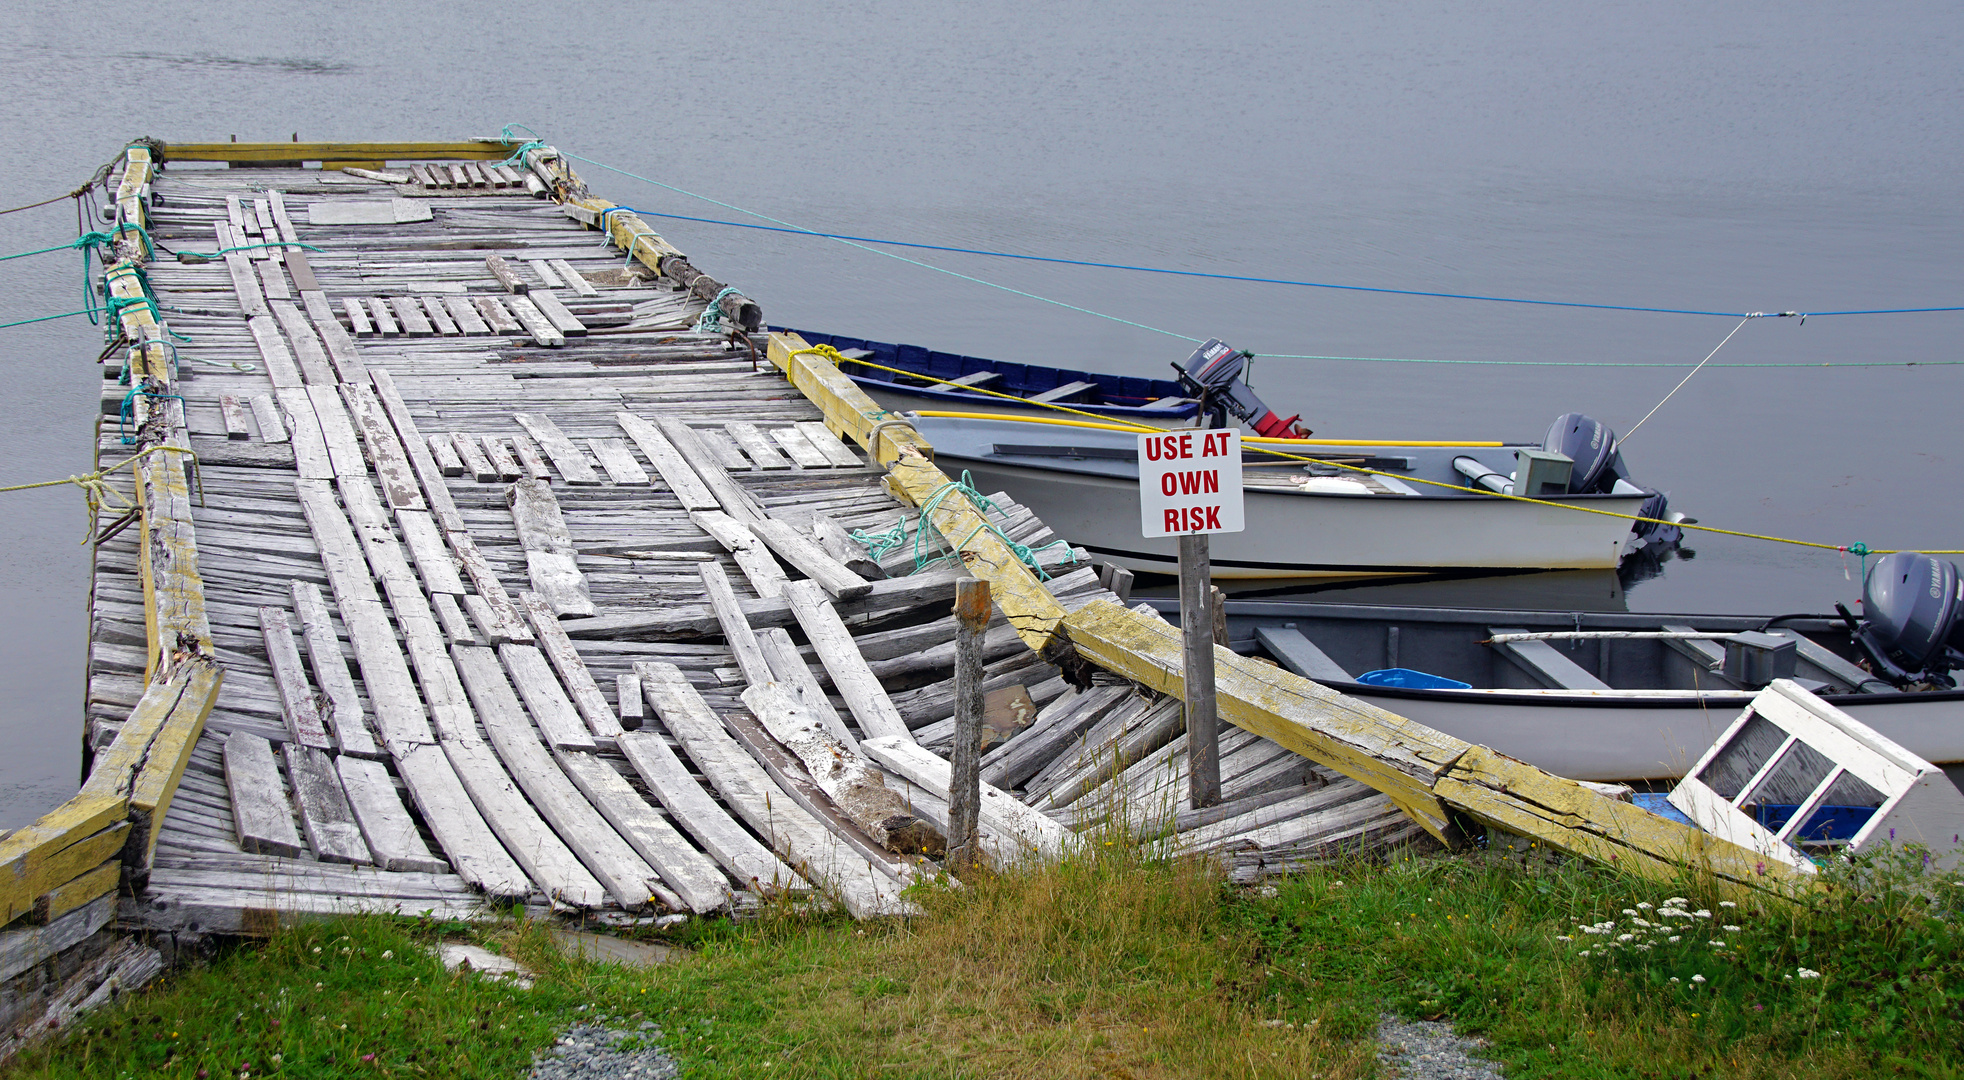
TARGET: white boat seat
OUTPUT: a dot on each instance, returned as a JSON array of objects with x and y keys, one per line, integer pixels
[
  {"x": 1062, "y": 393},
  {"x": 1294, "y": 651},
  {"x": 973, "y": 378},
  {"x": 1546, "y": 663},
  {"x": 1168, "y": 403}
]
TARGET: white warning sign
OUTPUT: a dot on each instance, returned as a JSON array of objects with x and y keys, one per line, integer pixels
[{"x": 1190, "y": 482}]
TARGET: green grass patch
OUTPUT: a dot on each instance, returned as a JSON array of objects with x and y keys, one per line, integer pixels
[{"x": 1109, "y": 966}]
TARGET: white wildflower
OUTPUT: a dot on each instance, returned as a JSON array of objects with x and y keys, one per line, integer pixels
[
  {"x": 1677, "y": 900},
  {"x": 1639, "y": 922},
  {"x": 1625, "y": 937},
  {"x": 1716, "y": 944},
  {"x": 1730, "y": 928},
  {"x": 388, "y": 954},
  {"x": 1677, "y": 937},
  {"x": 1563, "y": 937},
  {"x": 1674, "y": 978},
  {"x": 1630, "y": 912},
  {"x": 1698, "y": 978},
  {"x": 1727, "y": 903},
  {"x": 1808, "y": 973},
  {"x": 1645, "y": 905},
  {"x": 1642, "y": 948},
  {"x": 1701, "y": 913},
  {"x": 1585, "y": 952}
]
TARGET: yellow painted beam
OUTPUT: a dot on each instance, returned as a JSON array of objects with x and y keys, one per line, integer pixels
[
  {"x": 1399, "y": 757},
  {"x": 114, "y": 770},
  {"x": 25, "y": 893},
  {"x": 626, "y": 230},
  {"x": 77, "y": 891},
  {"x": 1520, "y": 798},
  {"x": 137, "y": 171},
  {"x": 251, "y": 153},
  {"x": 849, "y": 413},
  {"x": 156, "y": 781},
  {"x": 32, "y": 859}
]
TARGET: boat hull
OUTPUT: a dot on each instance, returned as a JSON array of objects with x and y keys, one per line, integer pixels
[
  {"x": 1586, "y": 738},
  {"x": 1301, "y": 534}
]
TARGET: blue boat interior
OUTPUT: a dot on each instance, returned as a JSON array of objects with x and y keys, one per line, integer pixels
[{"x": 1117, "y": 395}]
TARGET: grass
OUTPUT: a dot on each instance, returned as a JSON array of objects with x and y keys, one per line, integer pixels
[{"x": 1109, "y": 966}]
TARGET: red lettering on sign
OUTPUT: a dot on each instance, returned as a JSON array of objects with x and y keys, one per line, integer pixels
[
  {"x": 1213, "y": 518},
  {"x": 1186, "y": 447},
  {"x": 1168, "y": 486},
  {"x": 1173, "y": 521}
]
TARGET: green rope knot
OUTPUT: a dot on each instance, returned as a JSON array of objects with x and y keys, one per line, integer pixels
[{"x": 711, "y": 319}]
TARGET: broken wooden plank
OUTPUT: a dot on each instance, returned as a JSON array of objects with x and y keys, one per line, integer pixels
[
  {"x": 693, "y": 876},
  {"x": 765, "y": 575},
  {"x": 848, "y": 779},
  {"x": 558, "y": 721},
  {"x": 259, "y": 808},
  {"x": 573, "y": 465},
  {"x": 803, "y": 552},
  {"x": 297, "y": 701},
  {"x": 324, "y": 812},
  {"x": 675, "y": 470},
  {"x": 565, "y": 660},
  {"x": 864, "y": 695},
  {"x": 386, "y": 827}
]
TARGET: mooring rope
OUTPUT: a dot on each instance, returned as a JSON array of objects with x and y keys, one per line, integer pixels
[
  {"x": 1686, "y": 379},
  {"x": 96, "y": 492}
]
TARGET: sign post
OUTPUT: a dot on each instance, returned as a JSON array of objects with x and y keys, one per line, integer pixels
[{"x": 1190, "y": 487}]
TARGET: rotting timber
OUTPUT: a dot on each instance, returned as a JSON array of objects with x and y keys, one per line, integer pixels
[{"x": 465, "y": 549}]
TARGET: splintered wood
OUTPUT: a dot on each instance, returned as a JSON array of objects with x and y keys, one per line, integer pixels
[{"x": 523, "y": 591}]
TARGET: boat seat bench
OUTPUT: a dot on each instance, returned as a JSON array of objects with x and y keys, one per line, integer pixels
[
  {"x": 1294, "y": 651},
  {"x": 973, "y": 378},
  {"x": 1063, "y": 393},
  {"x": 1546, "y": 663}
]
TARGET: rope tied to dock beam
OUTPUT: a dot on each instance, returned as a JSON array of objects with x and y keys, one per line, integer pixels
[
  {"x": 712, "y": 318},
  {"x": 878, "y": 544},
  {"x": 97, "y": 494}
]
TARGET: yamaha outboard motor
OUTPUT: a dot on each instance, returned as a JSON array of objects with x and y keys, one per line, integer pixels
[
  {"x": 1599, "y": 469},
  {"x": 1213, "y": 375},
  {"x": 1911, "y": 629}
]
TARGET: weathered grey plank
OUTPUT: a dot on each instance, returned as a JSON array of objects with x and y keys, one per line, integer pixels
[
  {"x": 674, "y": 468},
  {"x": 259, "y": 808},
  {"x": 863, "y": 694},
  {"x": 324, "y": 811},
  {"x": 459, "y": 827},
  {"x": 579, "y": 826},
  {"x": 343, "y": 710},
  {"x": 297, "y": 702},
  {"x": 551, "y": 709},
  {"x": 803, "y": 552},
  {"x": 386, "y": 827},
  {"x": 565, "y": 659},
  {"x": 573, "y": 465}
]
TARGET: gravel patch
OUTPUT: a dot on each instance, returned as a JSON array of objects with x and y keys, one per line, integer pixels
[
  {"x": 1429, "y": 1050},
  {"x": 596, "y": 1052}
]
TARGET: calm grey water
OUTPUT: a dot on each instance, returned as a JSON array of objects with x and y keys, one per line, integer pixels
[{"x": 1750, "y": 156}]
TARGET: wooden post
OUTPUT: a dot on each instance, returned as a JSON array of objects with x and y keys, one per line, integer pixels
[
  {"x": 972, "y": 607},
  {"x": 1197, "y": 626}
]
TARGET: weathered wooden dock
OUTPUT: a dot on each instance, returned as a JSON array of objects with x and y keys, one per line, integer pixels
[{"x": 489, "y": 552}]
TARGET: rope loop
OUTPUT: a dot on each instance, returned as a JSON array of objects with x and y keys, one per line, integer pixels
[
  {"x": 712, "y": 317},
  {"x": 97, "y": 494}
]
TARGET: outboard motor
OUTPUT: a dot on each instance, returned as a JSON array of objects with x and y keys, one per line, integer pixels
[
  {"x": 1592, "y": 446},
  {"x": 1213, "y": 375},
  {"x": 1599, "y": 469},
  {"x": 1911, "y": 630}
]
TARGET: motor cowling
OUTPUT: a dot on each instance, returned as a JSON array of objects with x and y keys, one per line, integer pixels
[
  {"x": 1911, "y": 629},
  {"x": 1592, "y": 446},
  {"x": 1213, "y": 374}
]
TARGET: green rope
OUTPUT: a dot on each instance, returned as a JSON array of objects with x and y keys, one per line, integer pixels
[
  {"x": 184, "y": 256},
  {"x": 712, "y": 316},
  {"x": 879, "y": 544},
  {"x": 43, "y": 318},
  {"x": 517, "y": 157}
]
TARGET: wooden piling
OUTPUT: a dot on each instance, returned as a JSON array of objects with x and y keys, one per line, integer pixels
[{"x": 972, "y": 609}]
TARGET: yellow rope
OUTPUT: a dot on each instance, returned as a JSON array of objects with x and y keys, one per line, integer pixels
[
  {"x": 96, "y": 492},
  {"x": 1109, "y": 423}
]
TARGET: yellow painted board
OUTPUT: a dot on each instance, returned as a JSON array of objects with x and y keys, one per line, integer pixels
[
  {"x": 77, "y": 891},
  {"x": 1396, "y": 756},
  {"x": 1564, "y": 814},
  {"x": 247, "y": 152},
  {"x": 849, "y": 413},
  {"x": 136, "y": 173},
  {"x": 32, "y": 858},
  {"x": 22, "y": 894},
  {"x": 629, "y": 232},
  {"x": 156, "y": 781},
  {"x": 115, "y": 769}
]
